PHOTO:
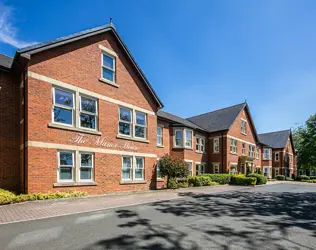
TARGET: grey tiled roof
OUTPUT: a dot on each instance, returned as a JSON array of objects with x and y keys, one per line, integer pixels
[
  {"x": 177, "y": 120},
  {"x": 217, "y": 120},
  {"x": 276, "y": 139},
  {"x": 5, "y": 61}
]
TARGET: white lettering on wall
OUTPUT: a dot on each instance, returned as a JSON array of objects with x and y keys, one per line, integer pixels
[{"x": 100, "y": 142}]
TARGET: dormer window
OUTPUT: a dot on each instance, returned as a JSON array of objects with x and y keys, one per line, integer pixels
[{"x": 267, "y": 152}]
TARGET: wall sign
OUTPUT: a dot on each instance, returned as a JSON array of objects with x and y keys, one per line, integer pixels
[{"x": 100, "y": 142}]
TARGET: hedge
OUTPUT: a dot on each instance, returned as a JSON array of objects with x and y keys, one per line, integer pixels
[
  {"x": 302, "y": 177},
  {"x": 261, "y": 179},
  {"x": 280, "y": 177},
  {"x": 7, "y": 197},
  {"x": 201, "y": 180},
  {"x": 311, "y": 181},
  {"x": 219, "y": 178},
  {"x": 243, "y": 180},
  {"x": 288, "y": 179},
  {"x": 312, "y": 177}
]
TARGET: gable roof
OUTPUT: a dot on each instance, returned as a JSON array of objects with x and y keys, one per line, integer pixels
[
  {"x": 84, "y": 34},
  {"x": 5, "y": 61},
  {"x": 276, "y": 139},
  {"x": 177, "y": 120},
  {"x": 218, "y": 120}
]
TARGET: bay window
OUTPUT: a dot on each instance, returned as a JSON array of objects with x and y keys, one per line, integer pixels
[
  {"x": 178, "y": 138},
  {"x": 183, "y": 138},
  {"x": 188, "y": 138},
  {"x": 190, "y": 167}
]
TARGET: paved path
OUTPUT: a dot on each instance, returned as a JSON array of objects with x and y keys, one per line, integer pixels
[
  {"x": 49, "y": 208},
  {"x": 278, "y": 216}
]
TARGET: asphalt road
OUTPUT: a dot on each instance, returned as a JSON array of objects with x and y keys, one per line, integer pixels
[{"x": 281, "y": 216}]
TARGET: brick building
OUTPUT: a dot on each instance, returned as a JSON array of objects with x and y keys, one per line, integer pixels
[{"x": 78, "y": 113}]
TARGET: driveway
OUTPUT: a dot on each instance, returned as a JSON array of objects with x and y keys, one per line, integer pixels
[{"x": 279, "y": 216}]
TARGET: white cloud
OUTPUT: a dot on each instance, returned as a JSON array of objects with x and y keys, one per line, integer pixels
[{"x": 8, "y": 33}]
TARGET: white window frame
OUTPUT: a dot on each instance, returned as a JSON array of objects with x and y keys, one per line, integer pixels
[
  {"x": 244, "y": 128},
  {"x": 200, "y": 166},
  {"x": 140, "y": 125},
  {"x": 233, "y": 146},
  {"x": 216, "y": 145},
  {"x": 88, "y": 113},
  {"x": 216, "y": 166},
  {"x": 108, "y": 68},
  {"x": 160, "y": 136},
  {"x": 92, "y": 167},
  {"x": 257, "y": 153},
  {"x": 188, "y": 139},
  {"x": 133, "y": 168},
  {"x": 67, "y": 166},
  {"x": 191, "y": 163},
  {"x": 158, "y": 167},
  {"x": 251, "y": 151},
  {"x": 243, "y": 148},
  {"x": 200, "y": 144},
  {"x": 73, "y": 108},
  {"x": 175, "y": 138},
  {"x": 235, "y": 166},
  {"x": 277, "y": 156},
  {"x": 269, "y": 154},
  {"x": 133, "y": 123}
]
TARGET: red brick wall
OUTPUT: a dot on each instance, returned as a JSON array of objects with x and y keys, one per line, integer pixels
[
  {"x": 79, "y": 64},
  {"x": 9, "y": 132}
]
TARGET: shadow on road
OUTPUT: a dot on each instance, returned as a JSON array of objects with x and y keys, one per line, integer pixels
[{"x": 245, "y": 220}]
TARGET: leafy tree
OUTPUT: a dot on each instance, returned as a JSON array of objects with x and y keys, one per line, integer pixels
[
  {"x": 172, "y": 168},
  {"x": 305, "y": 144}
]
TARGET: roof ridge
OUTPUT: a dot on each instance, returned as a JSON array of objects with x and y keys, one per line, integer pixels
[
  {"x": 275, "y": 131},
  {"x": 216, "y": 110}
]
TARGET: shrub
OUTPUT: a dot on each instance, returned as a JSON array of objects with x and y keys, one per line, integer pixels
[
  {"x": 219, "y": 178},
  {"x": 201, "y": 180},
  {"x": 172, "y": 183},
  {"x": 288, "y": 179},
  {"x": 311, "y": 181},
  {"x": 312, "y": 177},
  {"x": 280, "y": 177},
  {"x": 243, "y": 180},
  {"x": 261, "y": 179},
  {"x": 303, "y": 177},
  {"x": 7, "y": 197}
]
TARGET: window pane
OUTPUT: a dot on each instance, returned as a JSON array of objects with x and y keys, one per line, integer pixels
[
  {"x": 189, "y": 135},
  {"x": 158, "y": 172},
  {"x": 87, "y": 121},
  {"x": 140, "y": 119},
  {"x": 63, "y": 97},
  {"x": 65, "y": 158},
  {"x": 126, "y": 174},
  {"x": 63, "y": 115},
  {"x": 88, "y": 105},
  {"x": 85, "y": 173},
  {"x": 125, "y": 114},
  {"x": 107, "y": 74},
  {"x": 139, "y": 174},
  {"x": 86, "y": 160},
  {"x": 159, "y": 131},
  {"x": 65, "y": 173},
  {"x": 139, "y": 131},
  {"x": 127, "y": 162},
  {"x": 125, "y": 128},
  {"x": 139, "y": 163},
  {"x": 108, "y": 61}
]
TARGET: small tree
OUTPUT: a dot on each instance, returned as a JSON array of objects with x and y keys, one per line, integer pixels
[{"x": 172, "y": 168}]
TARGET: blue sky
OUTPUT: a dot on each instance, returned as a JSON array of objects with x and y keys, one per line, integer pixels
[{"x": 198, "y": 55}]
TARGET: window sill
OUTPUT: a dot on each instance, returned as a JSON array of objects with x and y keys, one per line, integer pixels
[
  {"x": 108, "y": 82},
  {"x": 160, "y": 180},
  {"x": 74, "y": 184},
  {"x": 160, "y": 146},
  {"x": 53, "y": 125},
  {"x": 232, "y": 153},
  {"x": 132, "y": 182},
  {"x": 131, "y": 138},
  {"x": 243, "y": 134},
  {"x": 200, "y": 152}
]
